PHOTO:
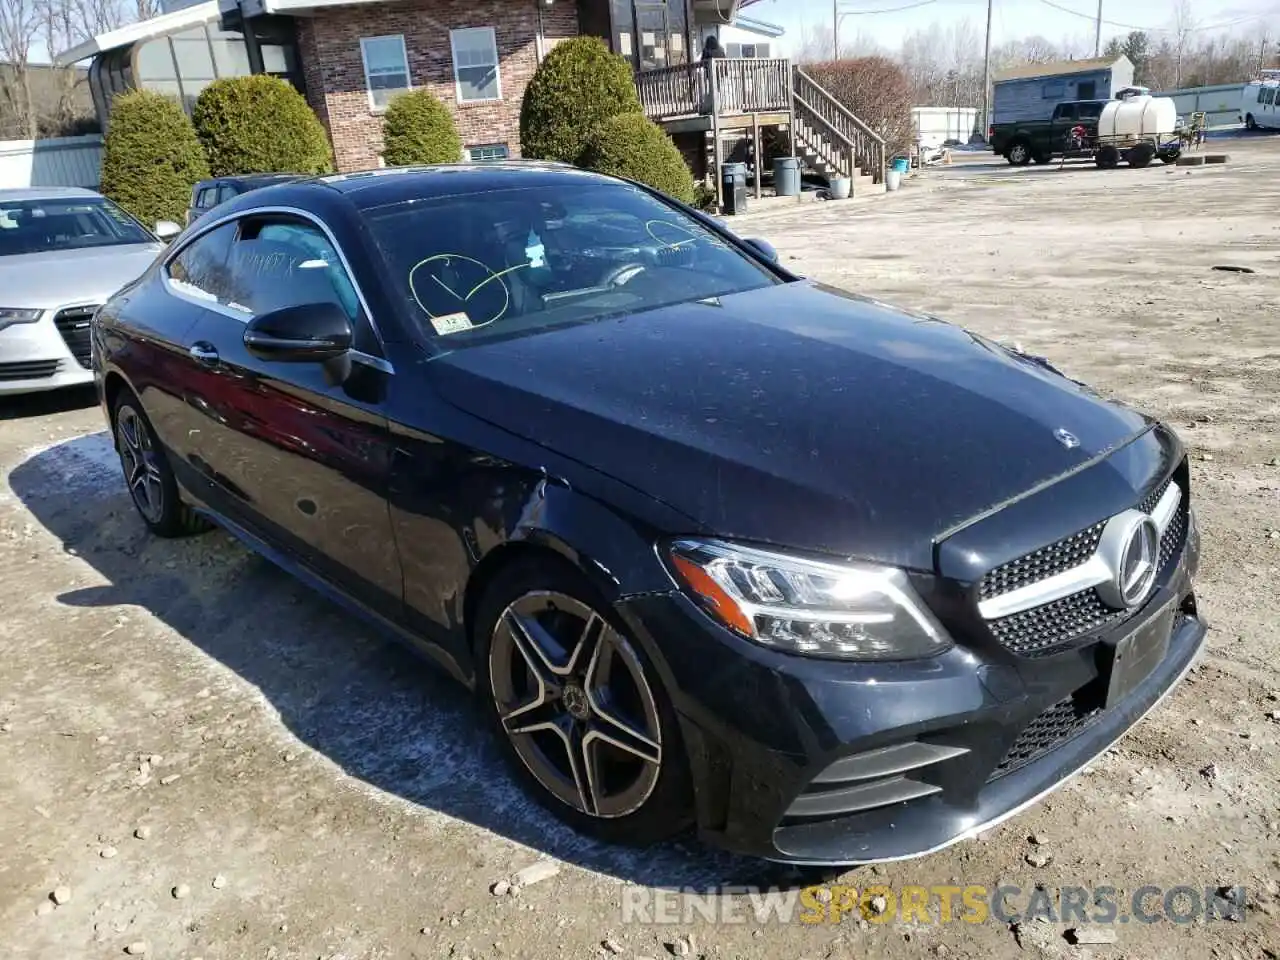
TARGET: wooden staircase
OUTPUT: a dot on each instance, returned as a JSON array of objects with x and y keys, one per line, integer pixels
[{"x": 726, "y": 96}]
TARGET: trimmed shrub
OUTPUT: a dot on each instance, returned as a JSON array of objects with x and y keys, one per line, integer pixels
[
  {"x": 259, "y": 124},
  {"x": 418, "y": 128},
  {"x": 579, "y": 84},
  {"x": 151, "y": 158},
  {"x": 633, "y": 146}
]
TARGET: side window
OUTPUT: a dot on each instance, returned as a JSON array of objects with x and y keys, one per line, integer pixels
[
  {"x": 284, "y": 262},
  {"x": 207, "y": 198},
  {"x": 1065, "y": 111},
  {"x": 1090, "y": 111},
  {"x": 226, "y": 192},
  {"x": 200, "y": 269},
  {"x": 1271, "y": 96},
  {"x": 1261, "y": 91}
]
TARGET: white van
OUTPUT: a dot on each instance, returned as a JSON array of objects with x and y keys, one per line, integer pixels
[{"x": 1260, "y": 105}]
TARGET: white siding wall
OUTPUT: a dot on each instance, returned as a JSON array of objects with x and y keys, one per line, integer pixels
[
  {"x": 57, "y": 162},
  {"x": 778, "y": 46},
  {"x": 937, "y": 124}
]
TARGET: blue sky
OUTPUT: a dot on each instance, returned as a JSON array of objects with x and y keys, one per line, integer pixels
[{"x": 1012, "y": 19}]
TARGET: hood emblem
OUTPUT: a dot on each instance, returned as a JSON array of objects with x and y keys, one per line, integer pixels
[{"x": 1066, "y": 438}]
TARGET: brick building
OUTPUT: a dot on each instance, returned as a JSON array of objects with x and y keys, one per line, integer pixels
[
  {"x": 350, "y": 57},
  {"x": 477, "y": 56}
]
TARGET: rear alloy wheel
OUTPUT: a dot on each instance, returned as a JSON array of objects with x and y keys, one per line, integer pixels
[
  {"x": 1020, "y": 154},
  {"x": 580, "y": 710},
  {"x": 151, "y": 483}
]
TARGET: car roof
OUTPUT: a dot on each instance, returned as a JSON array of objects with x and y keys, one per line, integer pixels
[
  {"x": 250, "y": 179},
  {"x": 47, "y": 193},
  {"x": 377, "y": 188}
]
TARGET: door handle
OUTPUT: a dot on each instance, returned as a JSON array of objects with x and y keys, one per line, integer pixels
[{"x": 204, "y": 353}]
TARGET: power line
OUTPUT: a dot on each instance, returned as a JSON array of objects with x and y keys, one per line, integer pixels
[
  {"x": 869, "y": 13},
  {"x": 1130, "y": 26}
]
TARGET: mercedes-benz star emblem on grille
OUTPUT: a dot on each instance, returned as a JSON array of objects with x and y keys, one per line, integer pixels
[
  {"x": 1066, "y": 438},
  {"x": 1129, "y": 547}
]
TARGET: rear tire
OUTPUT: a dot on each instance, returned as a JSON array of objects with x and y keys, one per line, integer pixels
[
  {"x": 1141, "y": 156},
  {"x": 152, "y": 485},
  {"x": 1107, "y": 158},
  {"x": 1020, "y": 153},
  {"x": 578, "y": 707}
]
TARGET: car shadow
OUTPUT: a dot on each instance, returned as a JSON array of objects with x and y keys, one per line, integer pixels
[
  {"x": 26, "y": 406},
  {"x": 342, "y": 688}
]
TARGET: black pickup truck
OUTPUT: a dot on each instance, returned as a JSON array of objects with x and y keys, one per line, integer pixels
[{"x": 1022, "y": 141}]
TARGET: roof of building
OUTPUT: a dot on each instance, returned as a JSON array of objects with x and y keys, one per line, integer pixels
[
  {"x": 1057, "y": 68},
  {"x": 160, "y": 26},
  {"x": 761, "y": 27}
]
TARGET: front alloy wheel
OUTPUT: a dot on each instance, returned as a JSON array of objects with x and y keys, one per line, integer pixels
[
  {"x": 580, "y": 709},
  {"x": 573, "y": 698}
]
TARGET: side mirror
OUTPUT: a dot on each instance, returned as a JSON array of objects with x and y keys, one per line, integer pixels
[
  {"x": 166, "y": 230},
  {"x": 308, "y": 333},
  {"x": 763, "y": 247}
]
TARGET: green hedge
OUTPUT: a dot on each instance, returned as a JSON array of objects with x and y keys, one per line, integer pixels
[
  {"x": 418, "y": 128},
  {"x": 151, "y": 158},
  {"x": 259, "y": 124},
  {"x": 633, "y": 146},
  {"x": 578, "y": 84}
]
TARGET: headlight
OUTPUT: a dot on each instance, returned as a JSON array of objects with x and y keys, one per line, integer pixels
[
  {"x": 836, "y": 610},
  {"x": 12, "y": 315}
]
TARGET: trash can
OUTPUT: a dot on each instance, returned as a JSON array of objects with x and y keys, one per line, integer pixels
[
  {"x": 733, "y": 187},
  {"x": 902, "y": 164},
  {"x": 786, "y": 176},
  {"x": 893, "y": 179}
]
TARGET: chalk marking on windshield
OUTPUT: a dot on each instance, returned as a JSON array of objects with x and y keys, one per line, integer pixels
[{"x": 506, "y": 291}]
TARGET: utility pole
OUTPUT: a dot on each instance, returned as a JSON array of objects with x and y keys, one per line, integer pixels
[
  {"x": 1097, "y": 33},
  {"x": 986, "y": 80},
  {"x": 835, "y": 29}
]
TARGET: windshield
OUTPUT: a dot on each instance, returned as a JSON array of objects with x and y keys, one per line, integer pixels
[
  {"x": 476, "y": 267},
  {"x": 42, "y": 226}
]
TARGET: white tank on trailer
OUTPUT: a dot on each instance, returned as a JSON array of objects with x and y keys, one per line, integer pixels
[{"x": 1138, "y": 118}]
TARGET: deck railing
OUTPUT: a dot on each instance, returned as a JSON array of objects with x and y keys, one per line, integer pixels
[
  {"x": 818, "y": 109},
  {"x": 719, "y": 87}
]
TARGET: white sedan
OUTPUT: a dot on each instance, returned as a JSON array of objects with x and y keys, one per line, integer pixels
[{"x": 63, "y": 252}]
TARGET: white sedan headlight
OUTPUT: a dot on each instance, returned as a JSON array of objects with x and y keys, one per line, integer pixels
[
  {"x": 807, "y": 607},
  {"x": 11, "y": 315}
]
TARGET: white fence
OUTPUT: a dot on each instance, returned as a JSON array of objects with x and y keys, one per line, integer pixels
[
  {"x": 939, "y": 124},
  {"x": 57, "y": 162},
  {"x": 1220, "y": 103}
]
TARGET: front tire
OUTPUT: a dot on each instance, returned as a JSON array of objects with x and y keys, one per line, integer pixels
[
  {"x": 1250, "y": 123},
  {"x": 578, "y": 707},
  {"x": 151, "y": 482}
]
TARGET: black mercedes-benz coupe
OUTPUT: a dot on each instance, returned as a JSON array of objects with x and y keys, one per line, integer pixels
[{"x": 712, "y": 543}]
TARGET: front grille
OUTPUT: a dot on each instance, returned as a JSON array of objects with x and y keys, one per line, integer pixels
[
  {"x": 1051, "y": 729},
  {"x": 73, "y": 324},
  {"x": 1047, "y": 629},
  {"x": 1175, "y": 535},
  {"x": 28, "y": 370},
  {"x": 1043, "y": 563},
  {"x": 1060, "y": 624}
]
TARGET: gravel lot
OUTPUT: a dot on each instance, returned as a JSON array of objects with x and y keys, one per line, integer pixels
[{"x": 216, "y": 763}]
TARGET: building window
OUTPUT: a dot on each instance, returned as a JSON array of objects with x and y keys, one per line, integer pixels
[
  {"x": 487, "y": 153},
  {"x": 1053, "y": 90},
  {"x": 475, "y": 64},
  {"x": 1087, "y": 90},
  {"x": 386, "y": 68}
]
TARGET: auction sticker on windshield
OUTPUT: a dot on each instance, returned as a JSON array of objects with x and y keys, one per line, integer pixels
[{"x": 451, "y": 323}]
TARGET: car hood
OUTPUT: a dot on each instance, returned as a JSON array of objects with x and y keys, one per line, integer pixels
[
  {"x": 797, "y": 415},
  {"x": 59, "y": 277}
]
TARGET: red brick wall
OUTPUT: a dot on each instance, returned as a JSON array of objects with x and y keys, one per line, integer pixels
[{"x": 329, "y": 45}]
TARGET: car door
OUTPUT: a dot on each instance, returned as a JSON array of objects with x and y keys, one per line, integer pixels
[
  {"x": 157, "y": 318},
  {"x": 1064, "y": 118},
  {"x": 297, "y": 459}
]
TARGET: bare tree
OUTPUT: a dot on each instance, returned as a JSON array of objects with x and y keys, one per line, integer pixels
[
  {"x": 19, "y": 29},
  {"x": 1184, "y": 25}
]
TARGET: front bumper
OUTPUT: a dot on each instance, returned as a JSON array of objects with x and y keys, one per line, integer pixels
[
  {"x": 38, "y": 356},
  {"x": 760, "y": 727}
]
